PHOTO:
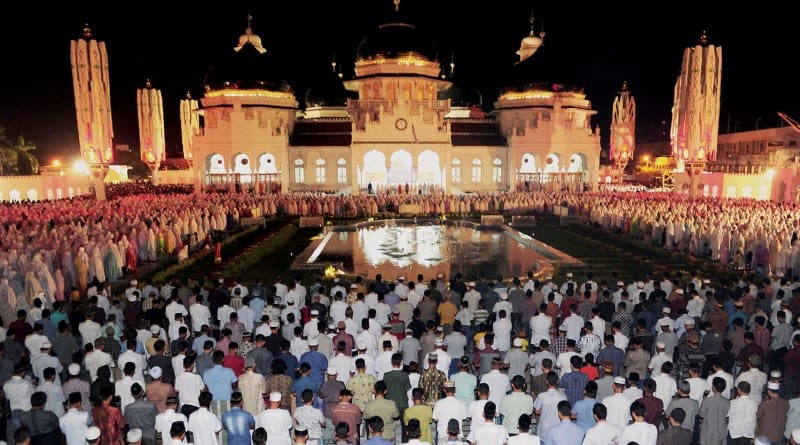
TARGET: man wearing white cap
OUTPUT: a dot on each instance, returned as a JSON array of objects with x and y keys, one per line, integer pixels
[
  {"x": 134, "y": 437},
  {"x": 129, "y": 291},
  {"x": 772, "y": 413},
  {"x": 75, "y": 422},
  {"x": 45, "y": 360},
  {"x": 516, "y": 360},
  {"x": 75, "y": 384},
  {"x": 661, "y": 357},
  {"x": 667, "y": 336},
  {"x": 362, "y": 353},
  {"x": 315, "y": 359},
  {"x": 449, "y": 408},
  {"x": 443, "y": 361},
  {"x": 665, "y": 319},
  {"x": 276, "y": 421},
  {"x": 618, "y": 405},
  {"x": 472, "y": 296},
  {"x": 93, "y": 434},
  {"x": 569, "y": 284}
]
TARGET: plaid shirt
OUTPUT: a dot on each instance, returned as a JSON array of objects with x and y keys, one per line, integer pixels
[
  {"x": 558, "y": 345},
  {"x": 112, "y": 348},
  {"x": 237, "y": 330},
  {"x": 761, "y": 337},
  {"x": 625, "y": 319}
]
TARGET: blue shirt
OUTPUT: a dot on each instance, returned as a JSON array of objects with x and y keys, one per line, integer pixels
[
  {"x": 565, "y": 433},
  {"x": 219, "y": 380},
  {"x": 291, "y": 364},
  {"x": 197, "y": 344},
  {"x": 377, "y": 441},
  {"x": 319, "y": 364},
  {"x": 612, "y": 354},
  {"x": 573, "y": 383},
  {"x": 583, "y": 413},
  {"x": 237, "y": 424},
  {"x": 303, "y": 383}
]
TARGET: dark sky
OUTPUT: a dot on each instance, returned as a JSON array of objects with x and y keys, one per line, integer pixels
[{"x": 605, "y": 42}]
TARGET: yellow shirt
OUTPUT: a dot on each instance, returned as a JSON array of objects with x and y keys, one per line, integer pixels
[
  {"x": 447, "y": 312},
  {"x": 424, "y": 414}
]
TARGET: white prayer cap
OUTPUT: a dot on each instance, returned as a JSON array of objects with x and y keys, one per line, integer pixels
[
  {"x": 156, "y": 372},
  {"x": 155, "y": 329},
  {"x": 362, "y": 346},
  {"x": 332, "y": 370},
  {"x": 274, "y": 324},
  {"x": 471, "y": 284},
  {"x": 619, "y": 380},
  {"x": 775, "y": 374},
  {"x": 620, "y": 283},
  {"x": 93, "y": 433},
  {"x": 134, "y": 435},
  {"x": 275, "y": 396},
  {"x": 517, "y": 342},
  {"x": 666, "y": 310},
  {"x": 569, "y": 274},
  {"x": 313, "y": 341},
  {"x": 132, "y": 298},
  {"x": 661, "y": 345},
  {"x": 640, "y": 284},
  {"x": 679, "y": 291},
  {"x": 134, "y": 282},
  {"x": 774, "y": 386},
  {"x": 74, "y": 369}
]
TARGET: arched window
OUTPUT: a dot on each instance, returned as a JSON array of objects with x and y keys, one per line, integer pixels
[
  {"x": 341, "y": 171},
  {"x": 497, "y": 171},
  {"x": 455, "y": 171},
  {"x": 476, "y": 171},
  {"x": 320, "y": 171},
  {"x": 299, "y": 171}
]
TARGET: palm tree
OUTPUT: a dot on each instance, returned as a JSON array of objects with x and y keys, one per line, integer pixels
[{"x": 27, "y": 164}]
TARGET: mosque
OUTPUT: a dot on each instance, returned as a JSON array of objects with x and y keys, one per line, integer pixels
[{"x": 401, "y": 124}]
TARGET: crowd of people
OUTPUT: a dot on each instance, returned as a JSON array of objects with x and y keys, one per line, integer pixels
[{"x": 664, "y": 360}]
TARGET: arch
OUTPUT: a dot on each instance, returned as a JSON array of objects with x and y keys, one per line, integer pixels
[
  {"x": 477, "y": 173},
  {"x": 705, "y": 188},
  {"x": 299, "y": 170},
  {"x": 714, "y": 191},
  {"x": 266, "y": 164},
  {"x": 528, "y": 163},
  {"x": 215, "y": 164},
  {"x": 401, "y": 159},
  {"x": 455, "y": 171},
  {"x": 341, "y": 171},
  {"x": 241, "y": 165},
  {"x": 552, "y": 164},
  {"x": 747, "y": 191},
  {"x": 33, "y": 194},
  {"x": 70, "y": 192},
  {"x": 374, "y": 168},
  {"x": 577, "y": 163},
  {"x": 14, "y": 195},
  {"x": 429, "y": 170},
  {"x": 50, "y": 194},
  {"x": 319, "y": 170},
  {"x": 730, "y": 192},
  {"x": 762, "y": 192},
  {"x": 59, "y": 193}
]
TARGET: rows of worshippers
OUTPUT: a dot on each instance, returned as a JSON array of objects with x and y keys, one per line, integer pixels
[{"x": 491, "y": 361}]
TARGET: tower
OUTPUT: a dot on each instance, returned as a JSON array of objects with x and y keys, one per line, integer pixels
[
  {"x": 190, "y": 124},
  {"x": 623, "y": 129},
  {"x": 150, "y": 109},
  {"x": 695, "y": 111},
  {"x": 92, "y": 98}
]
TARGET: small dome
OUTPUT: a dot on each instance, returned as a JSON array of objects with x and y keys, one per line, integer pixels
[
  {"x": 246, "y": 68},
  {"x": 544, "y": 70},
  {"x": 392, "y": 40},
  {"x": 329, "y": 91}
]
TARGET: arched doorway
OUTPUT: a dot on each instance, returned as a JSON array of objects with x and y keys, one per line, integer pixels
[
  {"x": 266, "y": 164},
  {"x": 241, "y": 166},
  {"x": 374, "y": 171},
  {"x": 576, "y": 164},
  {"x": 552, "y": 164},
  {"x": 429, "y": 172},
  {"x": 401, "y": 168}
]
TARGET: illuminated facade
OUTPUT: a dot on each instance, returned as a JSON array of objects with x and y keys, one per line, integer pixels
[
  {"x": 150, "y": 108},
  {"x": 695, "y": 111},
  {"x": 92, "y": 99},
  {"x": 398, "y": 125},
  {"x": 190, "y": 125},
  {"x": 623, "y": 129}
]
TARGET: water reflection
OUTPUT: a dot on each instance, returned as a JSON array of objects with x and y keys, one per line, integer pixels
[{"x": 407, "y": 248}]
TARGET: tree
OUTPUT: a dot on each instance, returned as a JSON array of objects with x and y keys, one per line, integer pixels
[{"x": 17, "y": 158}]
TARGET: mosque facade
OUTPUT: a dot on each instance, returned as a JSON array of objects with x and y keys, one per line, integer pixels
[{"x": 399, "y": 125}]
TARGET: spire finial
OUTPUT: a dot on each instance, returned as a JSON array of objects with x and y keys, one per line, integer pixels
[
  {"x": 541, "y": 32},
  {"x": 452, "y": 63},
  {"x": 188, "y": 94},
  {"x": 532, "y": 20},
  {"x": 703, "y": 38},
  {"x": 333, "y": 62},
  {"x": 396, "y": 5},
  {"x": 87, "y": 32},
  {"x": 148, "y": 84},
  {"x": 624, "y": 86},
  {"x": 249, "y": 29}
]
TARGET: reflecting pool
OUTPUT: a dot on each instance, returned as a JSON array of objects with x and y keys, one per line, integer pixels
[{"x": 408, "y": 247}]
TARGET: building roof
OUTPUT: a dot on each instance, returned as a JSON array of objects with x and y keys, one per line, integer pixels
[
  {"x": 471, "y": 132},
  {"x": 322, "y": 132}
]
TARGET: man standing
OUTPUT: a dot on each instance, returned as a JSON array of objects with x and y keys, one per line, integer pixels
[
  {"x": 237, "y": 422},
  {"x": 276, "y": 421},
  {"x": 713, "y": 413},
  {"x": 618, "y": 406},
  {"x": 142, "y": 414},
  {"x": 602, "y": 433},
  {"x": 74, "y": 423},
  {"x": 675, "y": 434},
  {"x": 449, "y": 408},
  {"x": 384, "y": 408},
  {"x": 487, "y": 432},
  {"x": 772, "y": 413},
  {"x": 566, "y": 432},
  {"x": 641, "y": 432},
  {"x": 742, "y": 417},
  {"x": 546, "y": 405}
]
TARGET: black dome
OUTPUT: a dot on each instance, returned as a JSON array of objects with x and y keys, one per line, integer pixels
[
  {"x": 461, "y": 96},
  {"x": 395, "y": 40},
  {"x": 544, "y": 70},
  {"x": 245, "y": 69},
  {"x": 328, "y": 90}
]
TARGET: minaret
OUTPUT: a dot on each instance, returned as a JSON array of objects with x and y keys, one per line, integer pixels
[
  {"x": 695, "y": 112},
  {"x": 190, "y": 124},
  {"x": 623, "y": 129},
  {"x": 92, "y": 98},
  {"x": 530, "y": 43},
  {"x": 150, "y": 108}
]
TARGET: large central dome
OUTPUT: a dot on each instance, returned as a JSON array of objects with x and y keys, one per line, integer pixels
[
  {"x": 395, "y": 40},
  {"x": 248, "y": 67}
]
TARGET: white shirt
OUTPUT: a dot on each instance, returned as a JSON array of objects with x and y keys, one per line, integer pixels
[
  {"x": 742, "y": 417},
  {"x": 33, "y": 343},
  {"x": 603, "y": 433},
  {"x": 757, "y": 379},
  {"x": 728, "y": 383},
  {"x": 619, "y": 410},
  {"x": 524, "y": 439},
  {"x": 189, "y": 386},
  {"x": 697, "y": 387},
  {"x": 96, "y": 360},
  {"x": 344, "y": 365},
  {"x": 563, "y": 362},
  {"x": 642, "y": 433},
  {"x": 90, "y": 331},
  {"x": 655, "y": 363},
  {"x": 487, "y": 433},
  {"x": 165, "y": 419},
  {"x": 137, "y": 359},
  {"x": 123, "y": 390},
  {"x": 502, "y": 334},
  {"x": 665, "y": 388},
  {"x": 573, "y": 323},
  {"x": 475, "y": 410},
  {"x": 204, "y": 425},
  {"x": 18, "y": 392},
  {"x": 442, "y": 362},
  {"x": 247, "y": 317},
  {"x": 74, "y": 424},
  {"x": 278, "y": 423},
  {"x": 540, "y": 328},
  {"x": 446, "y": 409},
  {"x": 499, "y": 385},
  {"x": 621, "y": 341},
  {"x": 546, "y": 403},
  {"x": 201, "y": 315}
]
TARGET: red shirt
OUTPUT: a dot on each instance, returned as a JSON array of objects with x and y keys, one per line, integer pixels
[
  {"x": 109, "y": 420},
  {"x": 234, "y": 362},
  {"x": 590, "y": 371}
]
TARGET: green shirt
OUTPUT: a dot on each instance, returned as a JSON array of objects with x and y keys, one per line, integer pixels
[
  {"x": 386, "y": 410},
  {"x": 424, "y": 414},
  {"x": 397, "y": 384}
]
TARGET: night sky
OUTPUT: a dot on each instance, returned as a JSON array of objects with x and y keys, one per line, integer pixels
[{"x": 604, "y": 43}]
